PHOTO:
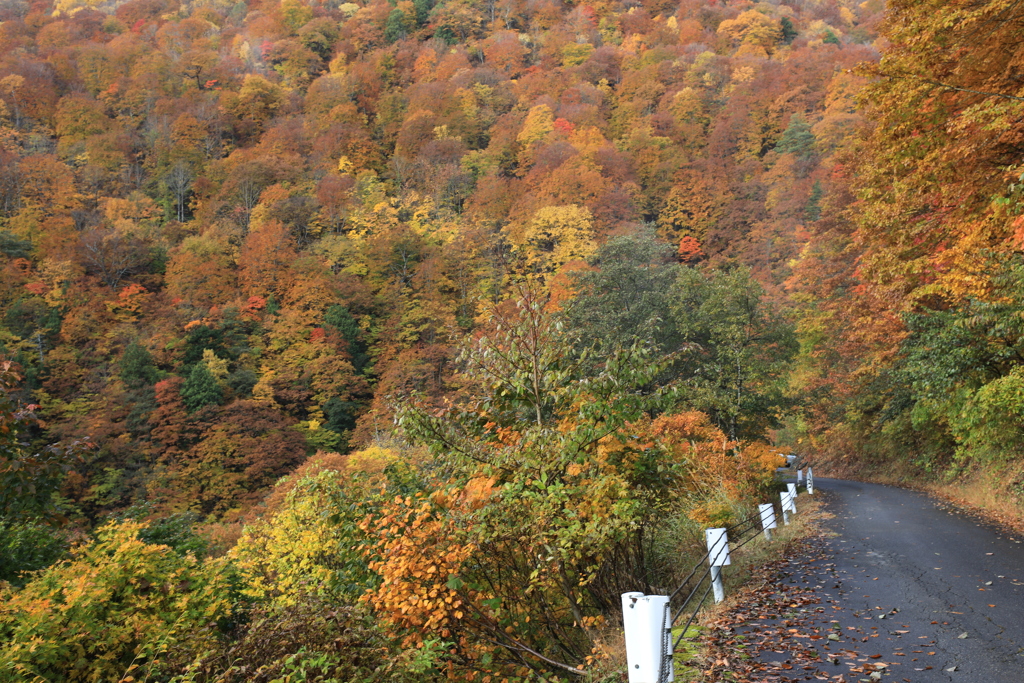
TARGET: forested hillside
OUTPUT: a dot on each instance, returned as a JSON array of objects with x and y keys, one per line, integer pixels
[
  {"x": 391, "y": 341},
  {"x": 911, "y": 301},
  {"x": 230, "y": 232}
]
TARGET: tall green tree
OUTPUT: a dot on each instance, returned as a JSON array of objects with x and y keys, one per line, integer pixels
[
  {"x": 29, "y": 477},
  {"x": 201, "y": 388},
  {"x": 137, "y": 367},
  {"x": 550, "y": 422},
  {"x": 736, "y": 347},
  {"x": 959, "y": 377},
  {"x": 341, "y": 320},
  {"x": 627, "y": 292},
  {"x": 738, "y": 350}
]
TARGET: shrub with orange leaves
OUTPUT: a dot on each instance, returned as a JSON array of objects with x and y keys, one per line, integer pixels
[
  {"x": 436, "y": 586},
  {"x": 716, "y": 470},
  {"x": 459, "y": 571},
  {"x": 419, "y": 564}
]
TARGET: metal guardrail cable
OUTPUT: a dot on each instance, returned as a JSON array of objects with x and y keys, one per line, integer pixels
[
  {"x": 692, "y": 616},
  {"x": 667, "y": 633},
  {"x": 693, "y": 571},
  {"x": 748, "y": 529},
  {"x": 689, "y": 597},
  {"x": 701, "y": 580},
  {"x": 704, "y": 597},
  {"x": 666, "y": 646},
  {"x": 707, "y": 571},
  {"x": 706, "y": 555},
  {"x": 743, "y": 532},
  {"x": 744, "y": 521},
  {"x": 696, "y": 586},
  {"x": 752, "y": 537}
]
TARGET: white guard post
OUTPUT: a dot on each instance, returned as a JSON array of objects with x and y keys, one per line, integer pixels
[
  {"x": 810, "y": 481},
  {"x": 767, "y": 519},
  {"x": 784, "y": 495},
  {"x": 792, "y": 497},
  {"x": 645, "y": 620},
  {"x": 799, "y": 476},
  {"x": 718, "y": 557}
]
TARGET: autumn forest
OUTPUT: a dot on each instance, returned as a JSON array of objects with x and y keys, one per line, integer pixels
[{"x": 392, "y": 340}]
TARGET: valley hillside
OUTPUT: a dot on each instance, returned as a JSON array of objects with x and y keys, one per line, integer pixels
[{"x": 392, "y": 341}]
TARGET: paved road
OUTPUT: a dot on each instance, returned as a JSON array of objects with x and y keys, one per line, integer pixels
[
  {"x": 899, "y": 549},
  {"x": 908, "y": 589}
]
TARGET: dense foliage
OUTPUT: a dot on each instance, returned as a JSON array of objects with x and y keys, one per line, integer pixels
[
  {"x": 264, "y": 219},
  {"x": 921, "y": 278},
  {"x": 391, "y": 341}
]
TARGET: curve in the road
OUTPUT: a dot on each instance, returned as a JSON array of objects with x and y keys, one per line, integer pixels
[
  {"x": 903, "y": 588},
  {"x": 948, "y": 573}
]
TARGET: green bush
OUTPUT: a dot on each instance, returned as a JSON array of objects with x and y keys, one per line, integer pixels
[{"x": 117, "y": 606}]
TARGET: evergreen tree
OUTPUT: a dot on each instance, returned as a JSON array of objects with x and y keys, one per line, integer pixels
[
  {"x": 423, "y": 8},
  {"x": 397, "y": 26},
  {"x": 201, "y": 388},
  {"x": 628, "y": 292},
  {"x": 737, "y": 350},
  {"x": 789, "y": 31},
  {"x": 137, "y": 367},
  {"x": 339, "y": 318},
  {"x": 797, "y": 138},
  {"x": 813, "y": 208}
]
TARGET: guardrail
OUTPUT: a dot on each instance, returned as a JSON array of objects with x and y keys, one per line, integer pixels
[{"x": 648, "y": 620}]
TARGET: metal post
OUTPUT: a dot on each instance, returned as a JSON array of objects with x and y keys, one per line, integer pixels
[
  {"x": 792, "y": 497},
  {"x": 799, "y": 476},
  {"x": 768, "y": 523},
  {"x": 716, "y": 582},
  {"x": 784, "y": 495},
  {"x": 647, "y": 627},
  {"x": 718, "y": 557},
  {"x": 810, "y": 481}
]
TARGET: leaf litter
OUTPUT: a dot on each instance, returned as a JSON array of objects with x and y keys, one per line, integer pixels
[{"x": 788, "y": 625}]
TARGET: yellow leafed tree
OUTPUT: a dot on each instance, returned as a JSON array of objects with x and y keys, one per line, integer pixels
[{"x": 555, "y": 236}]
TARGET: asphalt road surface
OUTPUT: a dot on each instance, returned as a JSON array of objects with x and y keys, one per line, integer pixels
[
  {"x": 910, "y": 589},
  {"x": 908, "y": 551}
]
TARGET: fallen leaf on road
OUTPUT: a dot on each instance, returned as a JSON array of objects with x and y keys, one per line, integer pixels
[{"x": 962, "y": 635}]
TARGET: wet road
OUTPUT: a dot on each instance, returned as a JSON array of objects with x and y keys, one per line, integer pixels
[
  {"x": 958, "y": 583},
  {"x": 905, "y": 588}
]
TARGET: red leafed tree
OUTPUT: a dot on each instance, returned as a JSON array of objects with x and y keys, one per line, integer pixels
[{"x": 242, "y": 450}]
